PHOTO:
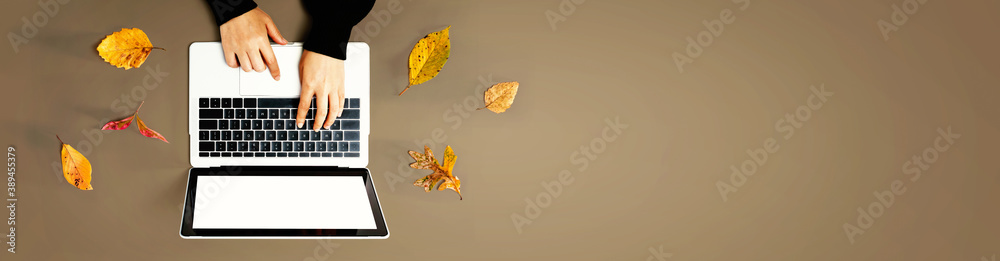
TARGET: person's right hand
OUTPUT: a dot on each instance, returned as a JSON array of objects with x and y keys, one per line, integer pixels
[{"x": 245, "y": 39}]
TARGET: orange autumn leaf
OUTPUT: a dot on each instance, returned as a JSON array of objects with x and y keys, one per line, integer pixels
[
  {"x": 127, "y": 48},
  {"x": 442, "y": 173},
  {"x": 76, "y": 168},
  {"x": 124, "y": 123},
  {"x": 146, "y": 131}
]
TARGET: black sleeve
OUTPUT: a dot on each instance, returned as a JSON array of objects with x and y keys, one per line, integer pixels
[
  {"x": 332, "y": 21},
  {"x": 228, "y": 9}
]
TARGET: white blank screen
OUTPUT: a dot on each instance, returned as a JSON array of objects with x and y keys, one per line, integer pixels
[{"x": 282, "y": 202}]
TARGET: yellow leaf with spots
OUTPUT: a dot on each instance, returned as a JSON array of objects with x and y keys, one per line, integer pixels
[
  {"x": 428, "y": 57},
  {"x": 127, "y": 48},
  {"x": 75, "y": 167}
]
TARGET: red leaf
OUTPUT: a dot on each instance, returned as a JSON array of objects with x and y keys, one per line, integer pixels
[
  {"x": 146, "y": 131},
  {"x": 119, "y": 124}
]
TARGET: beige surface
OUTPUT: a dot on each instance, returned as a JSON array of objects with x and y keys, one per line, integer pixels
[{"x": 653, "y": 186}]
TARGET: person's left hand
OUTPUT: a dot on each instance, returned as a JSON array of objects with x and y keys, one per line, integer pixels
[{"x": 323, "y": 77}]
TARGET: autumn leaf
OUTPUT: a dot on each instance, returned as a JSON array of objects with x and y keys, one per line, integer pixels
[
  {"x": 428, "y": 57},
  {"x": 499, "y": 97},
  {"x": 146, "y": 131},
  {"x": 127, "y": 48},
  {"x": 76, "y": 167},
  {"x": 442, "y": 173},
  {"x": 124, "y": 123}
]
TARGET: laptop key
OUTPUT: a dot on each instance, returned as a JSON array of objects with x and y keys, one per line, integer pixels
[
  {"x": 331, "y": 146},
  {"x": 352, "y": 155},
  {"x": 282, "y": 154},
  {"x": 254, "y": 146},
  {"x": 326, "y": 135},
  {"x": 202, "y": 102},
  {"x": 241, "y": 114},
  {"x": 227, "y": 102},
  {"x": 354, "y": 103},
  {"x": 270, "y": 154},
  {"x": 335, "y": 125},
  {"x": 314, "y": 135},
  {"x": 210, "y": 113},
  {"x": 279, "y": 125},
  {"x": 214, "y": 154},
  {"x": 213, "y": 102},
  {"x": 214, "y": 135},
  {"x": 251, "y": 113},
  {"x": 286, "y": 146},
  {"x": 268, "y": 124},
  {"x": 231, "y": 146},
  {"x": 250, "y": 102},
  {"x": 244, "y": 146},
  {"x": 202, "y": 154},
  {"x": 350, "y": 124},
  {"x": 289, "y": 124},
  {"x": 293, "y": 155},
  {"x": 285, "y": 114},
  {"x": 265, "y": 146},
  {"x": 237, "y": 102},
  {"x": 352, "y": 135},
  {"x": 203, "y": 135},
  {"x": 350, "y": 114},
  {"x": 220, "y": 146},
  {"x": 258, "y": 135},
  {"x": 272, "y": 113},
  {"x": 299, "y": 146},
  {"x": 206, "y": 146},
  {"x": 245, "y": 124},
  {"x": 259, "y": 154},
  {"x": 337, "y": 155},
  {"x": 237, "y": 154},
  {"x": 282, "y": 135},
  {"x": 207, "y": 124},
  {"x": 257, "y": 124},
  {"x": 321, "y": 146},
  {"x": 234, "y": 124},
  {"x": 270, "y": 135},
  {"x": 343, "y": 146},
  {"x": 278, "y": 102},
  {"x": 247, "y": 135},
  {"x": 314, "y": 154},
  {"x": 229, "y": 114},
  {"x": 261, "y": 114},
  {"x": 275, "y": 146},
  {"x": 237, "y": 135},
  {"x": 327, "y": 154},
  {"x": 226, "y": 135},
  {"x": 223, "y": 125},
  {"x": 303, "y": 135},
  {"x": 310, "y": 146},
  {"x": 293, "y": 135},
  {"x": 355, "y": 146},
  {"x": 338, "y": 135},
  {"x": 227, "y": 154}
]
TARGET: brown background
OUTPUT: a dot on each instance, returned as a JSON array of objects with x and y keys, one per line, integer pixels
[{"x": 654, "y": 186}]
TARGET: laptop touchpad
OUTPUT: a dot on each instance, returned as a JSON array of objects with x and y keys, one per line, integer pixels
[{"x": 255, "y": 83}]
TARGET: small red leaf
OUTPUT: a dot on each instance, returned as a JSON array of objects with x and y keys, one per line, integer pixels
[
  {"x": 146, "y": 131},
  {"x": 119, "y": 124}
]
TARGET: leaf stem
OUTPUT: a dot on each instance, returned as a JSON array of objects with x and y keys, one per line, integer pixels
[
  {"x": 154, "y": 47},
  {"x": 60, "y": 140},
  {"x": 404, "y": 90}
]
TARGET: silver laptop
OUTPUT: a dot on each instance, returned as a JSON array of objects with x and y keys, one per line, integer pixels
[{"x": 244, "y": 142}]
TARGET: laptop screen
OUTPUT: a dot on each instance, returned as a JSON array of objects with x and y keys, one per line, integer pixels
[{"x": 282, "y": 202}]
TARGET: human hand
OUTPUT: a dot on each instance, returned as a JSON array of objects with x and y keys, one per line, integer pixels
[
  {"x": 323, "y": 77},
  {"x": 245, "y": 38}
]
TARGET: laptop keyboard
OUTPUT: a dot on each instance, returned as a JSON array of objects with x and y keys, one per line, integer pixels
[{"x": 265, "y": 127}]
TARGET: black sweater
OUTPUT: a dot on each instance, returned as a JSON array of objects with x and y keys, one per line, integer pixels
[{"x": 332, "y": 21}]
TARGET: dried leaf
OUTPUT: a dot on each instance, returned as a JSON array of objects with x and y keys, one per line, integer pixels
[
  {"x": 127, "y": 48},
  {"x": 146, "y": 131},
  {"x": 428, "y": 57},
  {"x": 499, "y": 97},
  {"x": 442, "y": 174},
  {"x": 76, "y": 167},
  {"x": 119, "y": 124}
]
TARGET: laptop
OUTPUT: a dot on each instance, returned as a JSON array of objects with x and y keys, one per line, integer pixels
[{"x": 255, "y": 174}]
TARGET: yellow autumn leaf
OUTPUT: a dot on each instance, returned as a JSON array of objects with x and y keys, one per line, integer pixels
[
  {"x": 428, "y": 57},
  {"x": 76, "y": 168},
  {"x": 499, "y": 97},
  {"x": 442, "y": 173},
  {"x": 127, "y": 48}
]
